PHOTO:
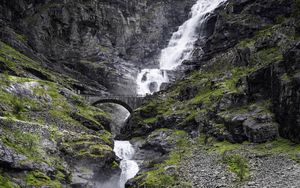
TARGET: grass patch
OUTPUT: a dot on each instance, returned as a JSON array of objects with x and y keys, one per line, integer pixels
[
  {"x": 238, "y": 165},
  {"x": 6, "y": 182},
  {"x": 39, "y": 179},
  {"x": 278, "y": 147},
  {"x": 27, "y": 144},
  {"x": 159, "y": 177}
]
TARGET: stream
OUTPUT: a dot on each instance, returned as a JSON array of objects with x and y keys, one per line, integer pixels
[
  {"x": 148, "y": 81},
  {"x": 125, "y": 151}
]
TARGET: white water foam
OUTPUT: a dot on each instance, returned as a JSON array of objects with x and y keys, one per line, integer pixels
[
  {"x": 179, "y": 48},
  {"x": 125, "y": 151}
]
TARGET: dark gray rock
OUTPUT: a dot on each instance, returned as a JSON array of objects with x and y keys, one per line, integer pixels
[
  {"x": 161, "y": 140},
  {"x": 258, "y": 132},
  {"x": 93, "y": 41},
  {"x": 285, "y": 94},
  {"x": 153, "y": 87},
  {"x": 188, "y": 93}
]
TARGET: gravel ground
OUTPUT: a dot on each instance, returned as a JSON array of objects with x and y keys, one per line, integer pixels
[
  {"x": 273, "y": 171},
  {"x": 205, "y": 169}
]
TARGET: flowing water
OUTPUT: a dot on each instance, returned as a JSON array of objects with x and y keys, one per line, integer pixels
[
  {"x": 179, "y": 48},
  {"x": 129, "y": 167},
  {"x": 149, "y": 81}
]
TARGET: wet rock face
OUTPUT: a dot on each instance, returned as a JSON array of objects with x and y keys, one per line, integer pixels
[
  {"x": 286, "y": 94},
  {"x": 153, "y": 87},
  {"x": 227, "y": 31},
  {"x": 263, "y": 102},
  {"x": 101, "y": 43}
]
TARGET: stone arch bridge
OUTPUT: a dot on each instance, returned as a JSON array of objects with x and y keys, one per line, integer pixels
[{"x": 129, "y": 102}]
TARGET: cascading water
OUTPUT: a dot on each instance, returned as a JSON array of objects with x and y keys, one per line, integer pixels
[
  {"x": 179, "y": 48},
  {"x": 149, "y": 81},
  {"x": 129, "y": 167}
]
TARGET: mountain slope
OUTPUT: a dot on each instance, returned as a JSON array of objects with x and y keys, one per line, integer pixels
[{"x": 243, "y": 88}]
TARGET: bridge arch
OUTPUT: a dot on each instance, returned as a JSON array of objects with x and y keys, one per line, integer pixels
[{"x": 115, "y": 101}]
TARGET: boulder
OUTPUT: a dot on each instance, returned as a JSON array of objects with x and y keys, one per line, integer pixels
[{"x": 259, "y": 132}]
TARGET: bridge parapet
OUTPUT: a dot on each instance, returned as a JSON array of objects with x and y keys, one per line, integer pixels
[{"x": 130, "y": 102}]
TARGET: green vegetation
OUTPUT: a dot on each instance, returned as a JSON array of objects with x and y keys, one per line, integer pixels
[
  {"x": 21, "y": 37},
  {"x": 269, "y": 148},
  {"x": 267, "y": 56},
  {"x": 39, "y": 179},
  {"x": 5, "y": 182},
  {"x": 27, "y": 144},
  {"x": 17, "y": 105},
  {"x": 280, "y": 146},
  {"x": 107, "y": 137},
  {"x": 159, "y": 176},
  {"x": 285, "y": 77},
  {"x": 233, "y": 154},
  {"x": 150, "y": 120},
  {"x": 87, "y": 149},
  {"x": 13, "y": 59},
  {"x": 238, "y": 165},
  {"x": 46, "y": 103}
]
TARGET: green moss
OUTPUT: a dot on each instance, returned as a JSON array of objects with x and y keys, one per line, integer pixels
[
  {"x": 107, "y": 137},
  {"x": 6, "y": 182},
  {"x": 150, "y": 120},
  {"x": 59, "y": 176},
  {"x": 18, "y": 105},
  {"x": 39, "y": 179},
  {"x": 21, "y": 37},
  {"x": 246, "y": 43},
  {"x": 285, "y": 77},
  {"x": 86, "y": 147},
  {"x": 280, "y": 146},
  {"x": 249, "y": 42},
  {"x": 158, "y": 177},
  {"x": 267, "y": 56},
  {"x": 91, "y": 112},
  {"x": 19, "y": 64},
  {"x": 115, "y": 165},
  {"x": 59, "y": 108},
  {"x": 222, "y": 147},
  {"x": 238, "y": 165},
  {"x": 12, "y": 58},
  {"x": 5, "y": 78},
  {"x": 25, "y": 143}
]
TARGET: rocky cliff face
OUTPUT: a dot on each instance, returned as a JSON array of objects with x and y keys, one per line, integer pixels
[
  {"x": 51, "y": 50},
  {"x": 241, "y": 86},
  {"x": 93, "y": 41},
  {"x": 244, "y": 87}
]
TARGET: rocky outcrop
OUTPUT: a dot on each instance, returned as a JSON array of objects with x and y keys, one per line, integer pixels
[
  {"x": 241, "y": 84},
  {"x": 99, "y": 43},
  {"x": 260, "y": 62},
  {"x": 285, "y": 94},
  {"x": 50, "y": 51},
  {"x": 51, "y": 137}
]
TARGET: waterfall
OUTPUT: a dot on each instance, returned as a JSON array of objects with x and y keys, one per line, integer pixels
[
  {"x": 180, "y": 48},
  {"x": 125, "y": 151}
]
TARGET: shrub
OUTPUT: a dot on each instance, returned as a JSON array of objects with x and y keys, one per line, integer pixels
[
  {"x": 18, "y": 106},
  {"x": 238, "y": 165}
]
